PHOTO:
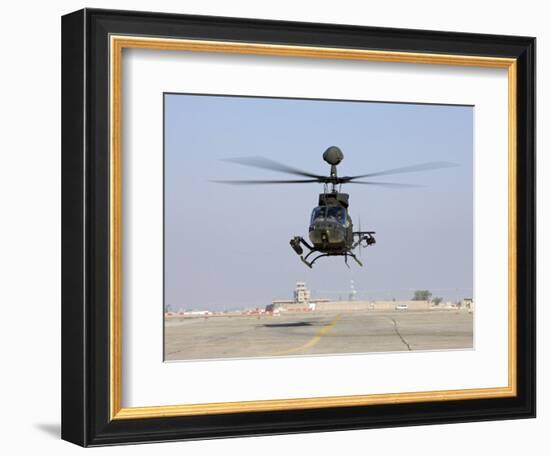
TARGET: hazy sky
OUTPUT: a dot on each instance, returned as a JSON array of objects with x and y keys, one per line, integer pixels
[{"x": 228, "y": 246}]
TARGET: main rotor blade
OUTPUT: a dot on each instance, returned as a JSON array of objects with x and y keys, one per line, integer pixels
[
  {"x": 266, "y": 163},
  {"x": 261, "y": 182},
  {"x": 385, "y": 184},
  {"x": 405, "y": 169},
  {"x": 360, "y": 247}
]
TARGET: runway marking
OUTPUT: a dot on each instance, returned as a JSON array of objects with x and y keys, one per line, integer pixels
[{"x": 313, "y": 341}]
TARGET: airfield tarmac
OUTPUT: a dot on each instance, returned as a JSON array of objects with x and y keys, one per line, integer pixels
[{"x": 315, "y": 333}]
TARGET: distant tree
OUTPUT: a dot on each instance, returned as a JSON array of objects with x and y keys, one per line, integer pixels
[
  {"x": 437, "y": 300},
  {"x": 422, "y": 295}
]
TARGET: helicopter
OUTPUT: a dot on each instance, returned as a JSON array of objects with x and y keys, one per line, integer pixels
[{"x": 331, "y": 227}]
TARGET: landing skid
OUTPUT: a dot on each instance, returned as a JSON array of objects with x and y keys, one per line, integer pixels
[
  {"x": 297, "y": 242},
  {"x": 310, "y": 263}
]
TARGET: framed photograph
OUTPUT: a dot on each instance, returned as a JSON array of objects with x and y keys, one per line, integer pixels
[{"x": 277, "y": 227}]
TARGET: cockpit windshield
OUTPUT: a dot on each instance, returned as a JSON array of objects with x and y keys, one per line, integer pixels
[
  {"x": 334, "y": 213},
  {"x": 337, "y": 213},
  {"x": 318, "y": 213}
]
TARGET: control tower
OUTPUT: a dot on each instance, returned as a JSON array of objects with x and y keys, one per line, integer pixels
[{"x": 301, "y": 294}]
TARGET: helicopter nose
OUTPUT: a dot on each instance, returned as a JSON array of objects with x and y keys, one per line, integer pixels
[{"x": 323, "y": 233}]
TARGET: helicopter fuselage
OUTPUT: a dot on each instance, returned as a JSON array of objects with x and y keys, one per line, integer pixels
[
  {"x": 331, "y": 231},
  {"x": 331, "y": 227}
]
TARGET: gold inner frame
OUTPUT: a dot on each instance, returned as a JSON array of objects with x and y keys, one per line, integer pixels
[{"x": 117, "y": 44}]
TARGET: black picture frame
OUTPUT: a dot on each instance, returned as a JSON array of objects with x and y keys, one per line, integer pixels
[{"x": 86, "y": 417}]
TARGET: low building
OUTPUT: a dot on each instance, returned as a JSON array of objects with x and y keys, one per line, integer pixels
[
  {"x": 325, "y": 305},
  {"x": 303, "y": 302},
  {"x": 372, "y": 305}
]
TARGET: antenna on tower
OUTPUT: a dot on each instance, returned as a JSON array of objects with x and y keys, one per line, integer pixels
[{"x": 352, "y": 290}]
